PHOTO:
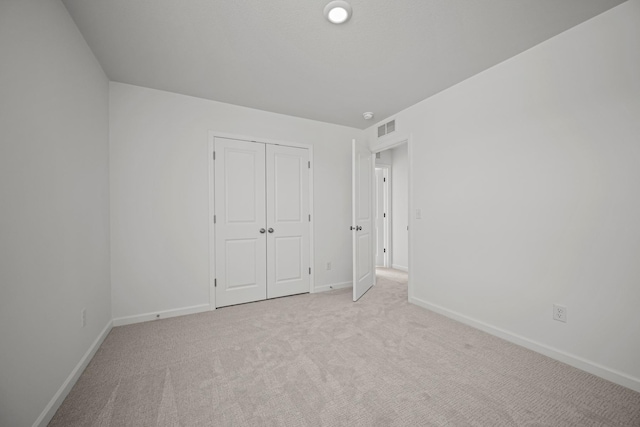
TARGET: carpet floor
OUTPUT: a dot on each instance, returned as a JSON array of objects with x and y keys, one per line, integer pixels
[{"x": 320, "y": 359}]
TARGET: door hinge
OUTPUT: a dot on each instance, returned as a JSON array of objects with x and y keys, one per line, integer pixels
[
  {"x": 309, "y": 270},
  {"x": 383, "y": 179},
  {"x": 309, "y": 217},
  {"x": 385, "y": 250},
  {"x": 309, "y": 164},
  {"x": 214, "y": 219},
  {"x": 215, "y": 283},
  {"x": 384, "y": 215},
  {"x": 214, "y": 155}
]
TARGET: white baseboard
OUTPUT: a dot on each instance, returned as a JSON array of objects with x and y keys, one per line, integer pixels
[
  {"x": 63, "y": 391},
  {"x": 333, "y": 286},
  {"x": 399, "y": 267},
  {"x": 570, "y": 359},
  {"x": 139, "y": 318}
]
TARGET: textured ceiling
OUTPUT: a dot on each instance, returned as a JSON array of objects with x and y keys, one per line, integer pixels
[{"x": 283, "y": 56}]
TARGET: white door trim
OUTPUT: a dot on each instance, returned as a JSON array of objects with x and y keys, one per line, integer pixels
[
  {"x": 392, "y": 142},
  {"x": 212, "y": 265}
]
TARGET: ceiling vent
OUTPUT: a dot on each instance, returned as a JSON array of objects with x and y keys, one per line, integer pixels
[{"x": 386, "y": 128}]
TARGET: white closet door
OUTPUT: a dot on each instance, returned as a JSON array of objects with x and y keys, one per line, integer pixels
[
  {"x": 288, "y": 260},
  {"x": 240, "y": 234}
]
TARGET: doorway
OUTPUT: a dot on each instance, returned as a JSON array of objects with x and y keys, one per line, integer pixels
[
  {"x": 364, "y": 207},
  {"x": 392, "y": 204}
]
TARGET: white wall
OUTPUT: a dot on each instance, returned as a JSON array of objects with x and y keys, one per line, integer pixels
[
  {"x": 159, "y": 193},
  {"x": 385, "y": 158},
  {"x": 54, "y": 226},
  {"x": 528, "y": 179},
  {"x": 399, "y": 207}
]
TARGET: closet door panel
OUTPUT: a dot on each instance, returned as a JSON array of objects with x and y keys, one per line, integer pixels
[
  {"x": 288, "y": 216},
  {"x": 289, "y": 264},
  {"x": 240, "y": 204}
]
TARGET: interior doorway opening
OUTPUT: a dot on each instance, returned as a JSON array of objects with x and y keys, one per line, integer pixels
[
  {"x": 397, "y": 155},
  {"x": 392, "y": 208}
]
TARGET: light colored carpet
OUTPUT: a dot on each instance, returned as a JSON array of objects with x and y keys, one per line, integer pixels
[{"x": 323, "y": 360}]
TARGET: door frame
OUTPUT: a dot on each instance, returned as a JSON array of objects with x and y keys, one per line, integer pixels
[
  {"x": 212, "y": 247},
  {"x": 388, "y": 209},
  {"x": 393, "y": 141}
]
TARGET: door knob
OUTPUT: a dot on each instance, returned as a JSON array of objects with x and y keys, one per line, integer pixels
[
  {"x": 270, "y": 230},
  {"x": 359, "y": 228},
  {"x": 262, "y": 230}
]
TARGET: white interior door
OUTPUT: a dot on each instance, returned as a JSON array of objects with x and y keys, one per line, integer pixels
[
  {"x": 240, "y": 234},
  {"x": 380, "y": 217},
  {"x": 288, "y": 263},
  {"x": 362, "y": 220}
]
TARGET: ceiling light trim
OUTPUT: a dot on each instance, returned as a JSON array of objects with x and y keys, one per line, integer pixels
[{"x": 338, "y": 12}]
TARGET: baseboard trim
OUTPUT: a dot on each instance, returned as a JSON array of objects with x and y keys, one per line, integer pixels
[
  {"x": 53, "y": 405},
  {"x": 146, "y": 317},
  {"x": 570, "y": 359},
  {"x": 399, "y": 267},
  {"x": 332, "y": 287}
]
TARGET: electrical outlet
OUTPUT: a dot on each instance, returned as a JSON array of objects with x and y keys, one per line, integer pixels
[
  {"x": 329, "y": 265},
  {"x": 83, "y": 317},
  {"x": 560, "y": 313}
]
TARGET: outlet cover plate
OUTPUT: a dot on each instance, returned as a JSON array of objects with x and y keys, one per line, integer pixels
[{"x": 560, "y": 313}]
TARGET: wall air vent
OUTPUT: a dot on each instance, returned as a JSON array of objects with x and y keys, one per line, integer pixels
[
  {"x": 386, "y": 128},
  {"x": 391, "y": 126}
]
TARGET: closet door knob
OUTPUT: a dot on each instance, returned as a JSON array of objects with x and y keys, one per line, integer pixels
[
  {"x": 262, "y": 230},
  {"x": 270, "y": 230}
]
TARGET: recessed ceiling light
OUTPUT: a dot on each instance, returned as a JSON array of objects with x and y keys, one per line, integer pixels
[
  {"x": 368, "y": 115},
  {"x": 337, "y": 12}
]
